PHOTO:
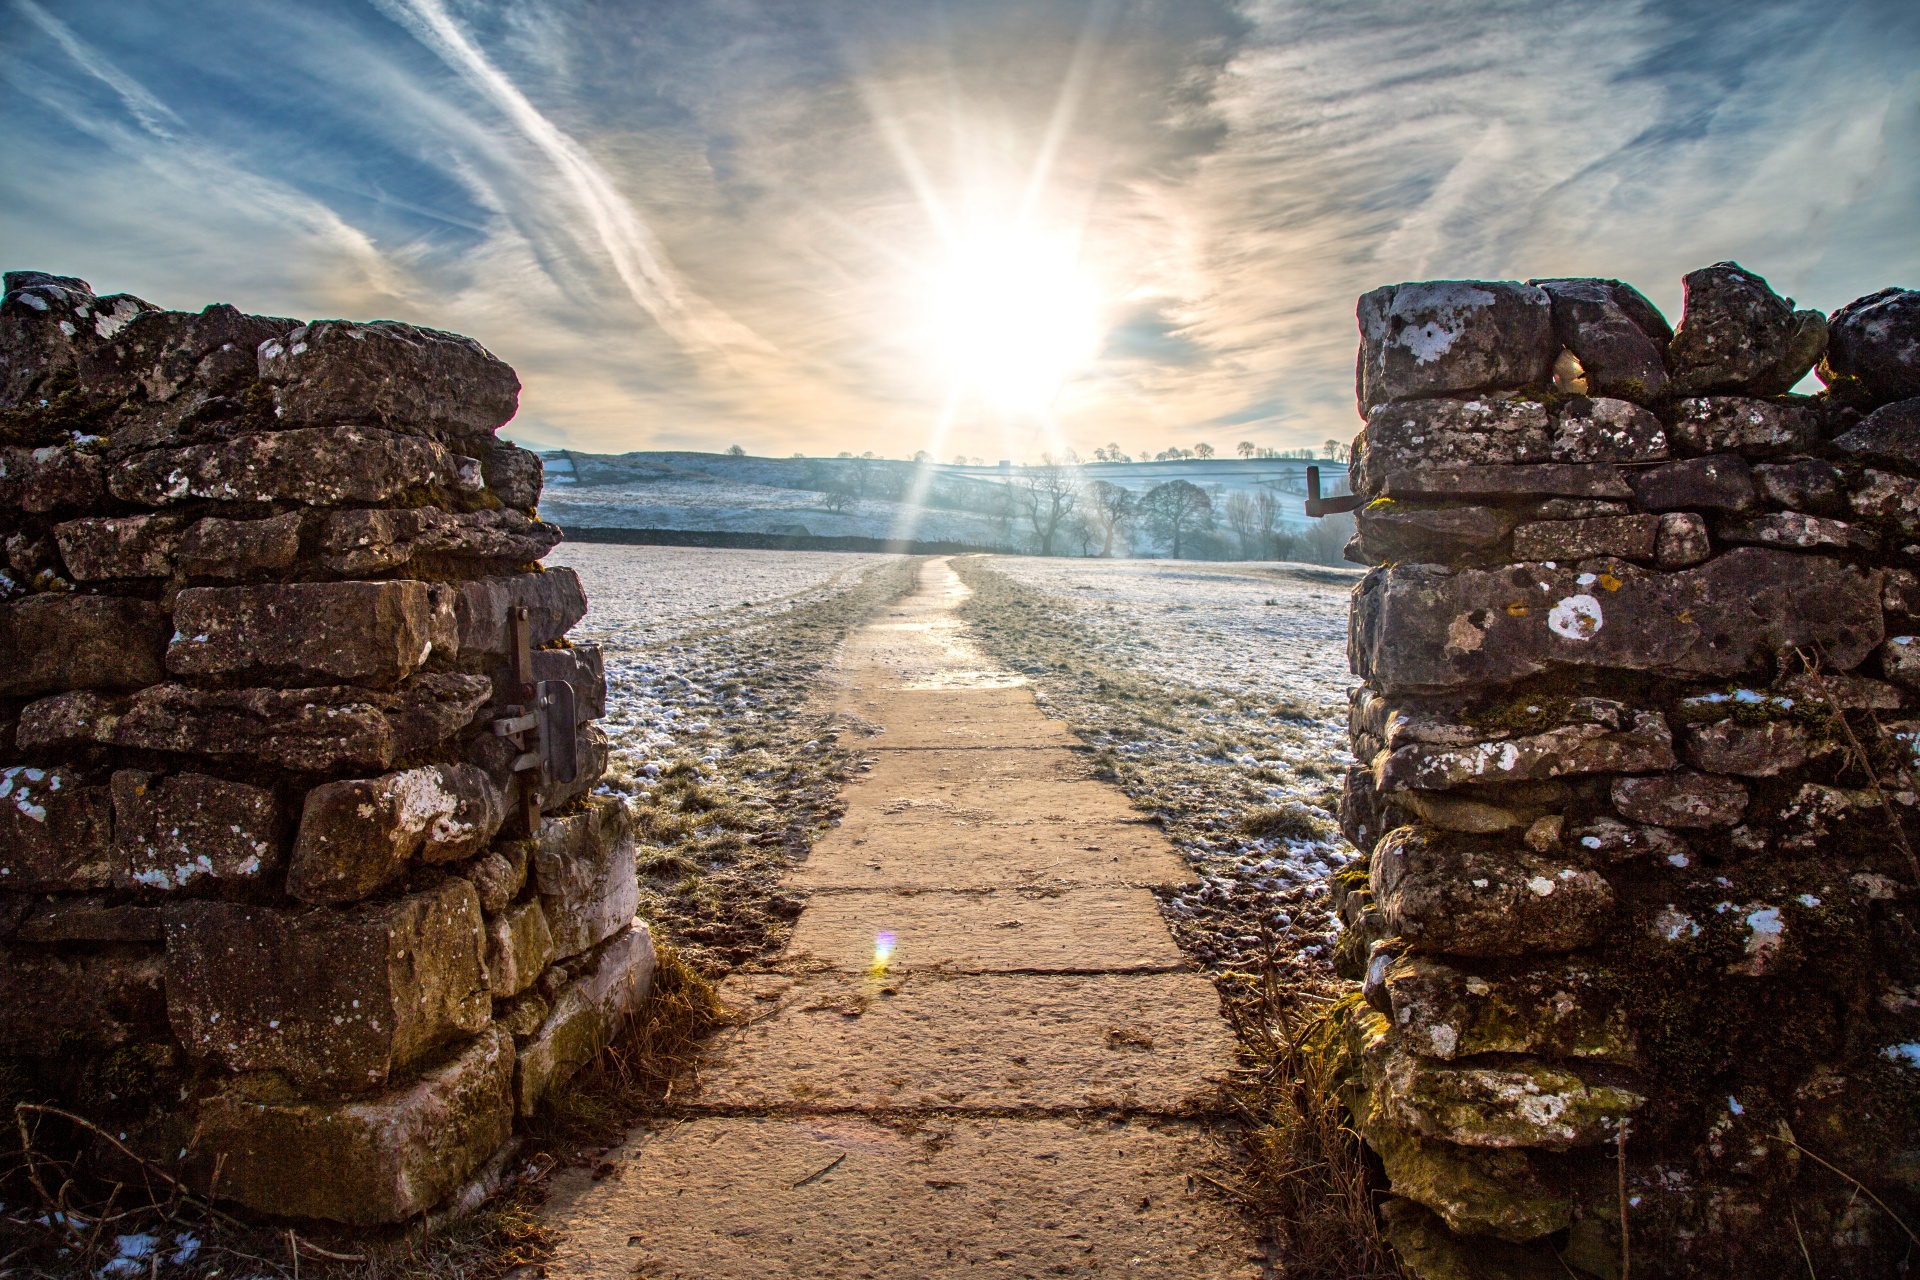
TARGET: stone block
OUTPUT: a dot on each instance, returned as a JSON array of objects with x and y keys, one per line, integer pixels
[
  {"x": 1743, "y": 425},
  {"x": 1751, "y": 750},
  {"x": 1616, "y": 841},
  {"x": 499, "y": 874},
  {"x": 1477, "y": 1192},
  {"x": 1682, "y": 541},
  {"x": 1889, "y": 436},
  {"x": 1873, "y": 344},
  {"x": 1737, "y": 337},
  {"x": 1892, "y": 500},
  {"x": 104, "y": 547},
  {"x": 310, "y": 730},
  {"x": 364, "y": 542},
  {"x": 1618, "y": 336},
  {"x": 336, "y": 1000},
  {"x": 592, "y": 752},
  {"x": 580, "y": 665},
  {"x": 586, "y": 1015},
  {"x": 1796, "y": 530},
  {"x": 553, "y": 599},
  {"x": 583, "y": 868},
  {"x": 1509, "y": 483},
  {"x": 1900, "y": 593},
  {"x": 216, "y": 548},
  {"x": 1438, "y": 337},
  {"x": 1457, "y": 895},
  {"x": 358, "y": 835},
  {"x": 56, "y": 832},
  {"x": 1563, "y": 1010},
  {"x": 316, "y": 466},
  {"x": 1612, "y": 740},
  {"x": 304, "y": 633},
  {"x": 39, "y": 481},
  {"x": 47, "y": 323},
  {"x": 388, "y": 374},
  {"x": 1527, "y": 1104},
  {"x": 1682, "y": 799},
  {"x": 515, "y": 475},
  {"x": 60, "y": 641},
  {"x": 1805, "y": 485},
  {"x": 173, "y": 832},
  {"x": 157, "y": 355},
  {"x": 109, "y": 995},
  {"x": 1900, "y": 660},
  {"x": 1406, "y": 435},
  {"x": 1604, "y": 429},
  {"x": 519, "y": 948},
  {"x": 1418, "y": 629},
  {"x": 1391, "y": 531},
  {"x": 1719, "y": 482},
  {"x": 379, "y": 1160},
  {"x": 1628, "y": 537},
  {"x": 89, "y": 918}
]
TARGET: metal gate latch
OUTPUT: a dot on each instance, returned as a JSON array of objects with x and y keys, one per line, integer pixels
[{"x": 543, "y": 724}]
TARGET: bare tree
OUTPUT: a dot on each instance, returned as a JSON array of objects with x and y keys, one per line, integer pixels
[
  {"x": 735, "y": 451},
  {"x": 1109, "y": 508},
  {"x": 1175, "y": 509},
  {"x": 1245, "y": 448},
  {"x": 1240, "y": 519},
  {"x": 1327, "y": 537},
  {"x": 1275, "y": 542},
  {"x": 1203, "y": 450},
  {"x": 1081, "y": 530},
  {"x": 1047, "y": 495},
  {"x": 1335, "y": 450}
]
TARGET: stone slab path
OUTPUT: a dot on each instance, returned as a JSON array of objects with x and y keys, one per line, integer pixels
[{"x": 929, "y": 1084}]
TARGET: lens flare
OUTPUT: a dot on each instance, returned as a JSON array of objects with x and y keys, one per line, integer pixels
[{"x": 882, "y": 950}]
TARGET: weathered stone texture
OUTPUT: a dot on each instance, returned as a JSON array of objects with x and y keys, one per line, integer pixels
[
  {"x": 1409, "y": 434},
  {"x": 1565, "y": 1011},
  {"x": 170, "y": 833},
  {"x": 388, "y": 374},
  {"x": 56, "y": 831},
  {"x": 1681, "y": 799},
  {"x": 356, "y": 836},
  {"x": 1438, "y": 337},
  {"x": 60, "y": 641},
  {"x": 1719, "y": 482},
  {"x": 1628, "y": 537},
  {"x": 50, "y": 479},
  {"x": 586, "y": 1015},
  {"x": 216, "y": 548},
  {"x": 60, "y": 1002},
  {"x": 553, "y": 600},
  {"x": 1456, "y": 897},
  {"x": 1391, "y": 531},
  {"x": 1604, "y": 429},
  {"x": 1889, "y": 436},
  {"x": 1416, "y": 627},
  {"x": 1618, "y": 336},
  {"x": 1873, "y": 343},
  {"x": 519, "y": 948},
  {"x": 1524, "y": 480},
  {"x": 515, "y": 475},
  {"x": 372, "y": 633},
  {"x": 361, "y": 542},
  {"x": 1736, "y": 336},
  {"x": 336, "y": 1000},
  {"x": 105, "y": 547},
  {"x": 1743, "y": 425},
  {"x": 316, "y": 466},
  {"x": 583, "y": 867},
  {"x": 1517, "y": 1104},
  {"x": 367, "y": 1162},
  {"x": 1615, "y": 740}
]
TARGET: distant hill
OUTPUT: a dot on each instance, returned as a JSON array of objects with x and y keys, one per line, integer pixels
[{"x": 878, "y": 497}]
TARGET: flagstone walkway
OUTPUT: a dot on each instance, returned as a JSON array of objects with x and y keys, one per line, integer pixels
[{"x": 982, "y": 1054}]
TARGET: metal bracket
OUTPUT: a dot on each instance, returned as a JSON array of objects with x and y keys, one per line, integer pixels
[
  {"x": 1318, "y": 506},
  {"x": 544, "y": 723}
]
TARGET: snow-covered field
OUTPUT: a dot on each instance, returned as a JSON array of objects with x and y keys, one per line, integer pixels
[
  {"x": 708, "y": 503},
  {"x": 1215, "y": 695}
]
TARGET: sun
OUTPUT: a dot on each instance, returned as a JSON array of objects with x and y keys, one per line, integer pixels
[{"x": 1015, "y": 317}]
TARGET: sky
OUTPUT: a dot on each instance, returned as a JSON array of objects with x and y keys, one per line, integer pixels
[{"x": 983, "y": 228}]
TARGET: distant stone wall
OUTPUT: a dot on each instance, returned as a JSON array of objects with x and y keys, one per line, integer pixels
[
  {"x": 1636, "y": 779},
  {"x": 289, "y": 883}
]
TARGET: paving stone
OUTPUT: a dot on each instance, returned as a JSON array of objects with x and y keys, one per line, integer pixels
[
  {"x": 306, "y": 633},
  {"x": 1752, "y": 750},
  {"x": 1874, "y": 344},
  {"x": 1736, "y": 336},
  {"x": 1437, "y": 337},
  {"x": 59, "y": 1002},
  {"x": 337, "y": 1000},
  {"x": 216, "y": 548},
  {"x": 55, "y": 641},
  {"x": 317, "y": 466},
  {"x": 990, "y": 718},
  {"x": 583, "y": 868},
  {"x": 99, "y": 548},
  {"x": 1618, "y": 336},
  {"x": 1743, "y": 425},
  {"x": 1418, "y": 628},
  {"x": 358, "y": 835},
  {"x": 866, "y": 854},
  {"x": 391, "y": 374},
  {"x": 1628, "y": 537},
  {"x": 56, "y": 832},
  {"x": 1605, "y": 429},
  {"x": 1566, "y": 1010},
  {"x": 965, "y": 1198},
  {"x": 173, "y": 832},
  {"x": 1719, "y": 482},
  {"x": 988, "y": 931},
  {"x": 586, "y": 1015},
  {"x": 370, "y": 1161},
  {"x": 1683, "y": 799},
  {"x": 553, "y": 599},
  {"x": 1145, "y": 1042},
  {"x": 519, "y": 948},
  {"x": 1468, "y": 896}
]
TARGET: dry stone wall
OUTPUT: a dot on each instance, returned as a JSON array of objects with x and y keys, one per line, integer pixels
[
  {"x": 1635, "y": 779},
  {"x": 302, "y": 875}
]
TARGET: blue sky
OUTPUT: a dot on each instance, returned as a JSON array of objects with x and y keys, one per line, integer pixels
[{"x": 989, "y": 228}]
